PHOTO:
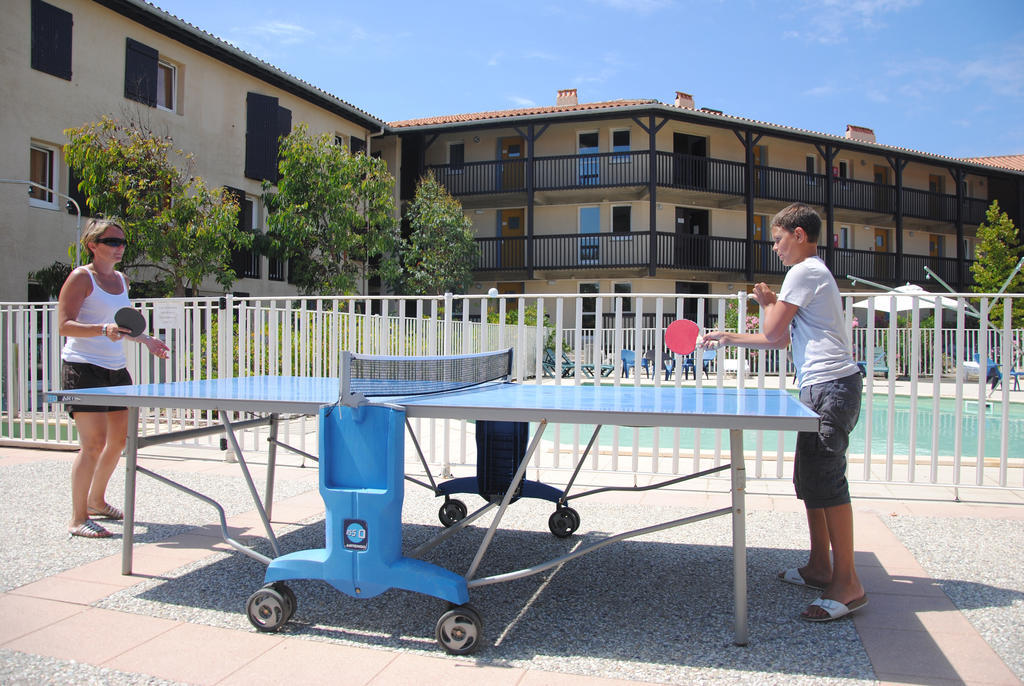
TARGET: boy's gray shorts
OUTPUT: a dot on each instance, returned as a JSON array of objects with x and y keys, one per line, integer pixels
[{"x": 819, "y": 471}]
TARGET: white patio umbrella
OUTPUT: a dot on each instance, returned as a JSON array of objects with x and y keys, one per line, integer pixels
[{"x": 904, "y": 300}]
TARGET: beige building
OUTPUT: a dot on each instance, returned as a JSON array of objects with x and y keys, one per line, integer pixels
[
  {"x": 67, "y": 62},
  {"x": 639, "y": 196},
  {"x": 627, "y": 196}
]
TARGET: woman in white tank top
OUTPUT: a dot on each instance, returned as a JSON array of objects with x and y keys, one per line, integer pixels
[{"x": 94, "y": 356}]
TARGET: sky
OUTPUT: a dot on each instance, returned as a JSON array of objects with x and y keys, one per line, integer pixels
[{"x": 936, "y": 76}]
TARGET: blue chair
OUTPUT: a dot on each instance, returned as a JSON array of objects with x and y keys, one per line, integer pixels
[
  {"x": 1016, "y": 374},
  {"x": 670, "y": 366},
  {"x": 705, "y": 363},
  {"x": 687, "y": 366},
  {"x": 647, "y": 363},
  {"x": 992, "y": 373},
  {"x": 881, "y": 365},
  {"x": 628, "y": 362}
]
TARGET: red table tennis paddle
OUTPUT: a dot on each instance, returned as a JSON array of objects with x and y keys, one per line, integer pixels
[
  {"x": 131, "y": 319},
  {"x": 681, "y": 336}
]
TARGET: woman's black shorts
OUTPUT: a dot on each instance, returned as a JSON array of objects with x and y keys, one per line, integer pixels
[{"x": 84, "y": 375}]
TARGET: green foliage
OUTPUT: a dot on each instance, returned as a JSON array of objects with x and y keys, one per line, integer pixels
[
  {"x": 529, "y": 319},
  {"x": 441, "y": 251},
  {"x": 174, "y": 222},
  {"x": 332, "y": 215},
  {"x": 999, "y": 250},
  {"x": 51, "y": 278}
]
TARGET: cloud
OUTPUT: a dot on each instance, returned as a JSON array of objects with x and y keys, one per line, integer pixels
[
  {"x": 521, "y": 101},
  {"x": 829, "y": 21},
  {"x": 1002, "y": 72},
  {"x": 280, "y": 32},
  {"x": 638, "y": 6}
]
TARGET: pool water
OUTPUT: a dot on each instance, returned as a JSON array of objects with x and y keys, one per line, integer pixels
[{"x": 945, "y": 442}]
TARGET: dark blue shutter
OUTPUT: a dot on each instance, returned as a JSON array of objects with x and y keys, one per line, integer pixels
[
  {"x": 140, "y": 65},
  {"x": 51, "y": 39},
  {"x": 261, "y": 131},
  {"x": 78, "y": 195}
]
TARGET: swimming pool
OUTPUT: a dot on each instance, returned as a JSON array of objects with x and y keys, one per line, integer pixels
[{"x": 901, "y": 420}]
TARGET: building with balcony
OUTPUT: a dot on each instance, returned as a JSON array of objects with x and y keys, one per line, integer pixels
[
  {"x": 642, "y": 196},
  {"x": 616, "y": 197}
]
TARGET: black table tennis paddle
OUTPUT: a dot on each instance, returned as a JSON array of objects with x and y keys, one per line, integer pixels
[{"x": 131, "y": 319}]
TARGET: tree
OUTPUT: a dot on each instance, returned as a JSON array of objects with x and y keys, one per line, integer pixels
[
  {"x": 173, "y": 221},
  {"x": 441, "y": 252},
  {"x": 332, "y": 215},
  {"x": 998, "y": 252}
]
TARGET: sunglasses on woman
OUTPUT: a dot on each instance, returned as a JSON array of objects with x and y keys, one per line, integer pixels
[{"x": 112, "y": 242}]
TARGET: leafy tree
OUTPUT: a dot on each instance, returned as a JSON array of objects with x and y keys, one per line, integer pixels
[
  {"x": 332, "y": 215},
  {"x": 173, "y": 221},
  {"x": 998, "y": 252},
  {"x": 441, "y": 251},
  {"x": 51, "y": 278}
]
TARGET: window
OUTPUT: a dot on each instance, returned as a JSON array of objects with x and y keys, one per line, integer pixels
[
  {"x": 265, "y": 123},
  {"x": 811, "y": 164},
  {"x": 339, "y": 140},
  {"x": 622, "y": 219},
  {"x": 75, "y": 194},
  {"x": 456, "y": 157},
  {"x": 624, "y": 289},
  {"x": 843, "y": 239},
  {"x": 589, "y": 163},
  {"x": 246, "y": 262},
  {"x": 590, "y": 227},
  {"x": 620, "y": 143},
  {"x": 43, "y": 172},
  {"x": 166, "y": 85},
  {"x": 589, "y": 308},
  {"x": 51, "y": 40},
  {"x": 358, "y": 145},
  {"x": 843, "y": 169}
]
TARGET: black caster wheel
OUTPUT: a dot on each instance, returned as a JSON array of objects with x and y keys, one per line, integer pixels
[
  {"x": 267, "y": 609},
  {"x": 290, "y": 600},
  {"x": 563, "y": 522},
  {"x": 459, "y": 630},
  {"x": 452, "y": 511}
]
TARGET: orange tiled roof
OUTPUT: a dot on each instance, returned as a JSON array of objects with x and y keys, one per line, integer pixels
[
  {"x": 523, "y": 112},
  {"x": 1015, "y": 162}
]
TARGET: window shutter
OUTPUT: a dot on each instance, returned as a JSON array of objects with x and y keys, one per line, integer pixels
[
  {"x": 261, "y": 130},
  {"x": 140, "y": 64},
  {"x": 51, "y": 39}
]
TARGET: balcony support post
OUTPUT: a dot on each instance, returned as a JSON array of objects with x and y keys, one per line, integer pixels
[
  {"x": 898, "y": 165},
  {"x": 652, "y": 128},
  {"x": 828, "y": 153},
  {"x": 748, "y": 140},
  {"x": 961, "y": 259}
]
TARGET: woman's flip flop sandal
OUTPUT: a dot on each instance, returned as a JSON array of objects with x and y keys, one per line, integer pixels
[
  {"x": 108, "y": 511},
  {"x": 89, "y": 529}
]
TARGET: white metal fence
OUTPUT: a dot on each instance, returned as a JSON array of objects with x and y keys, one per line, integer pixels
[{"x": 918, "y": 425}]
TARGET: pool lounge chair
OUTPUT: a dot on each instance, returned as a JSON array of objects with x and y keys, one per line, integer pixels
[{"x": 881, "y": 366}]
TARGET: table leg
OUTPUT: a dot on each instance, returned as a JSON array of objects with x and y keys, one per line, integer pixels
[
  {"x": 131, "y": 452},
  {"x": 739, "y": 536},
  {"x": 268, "y": 500}
]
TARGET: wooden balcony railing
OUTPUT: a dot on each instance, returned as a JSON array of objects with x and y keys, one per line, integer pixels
[
  {"x": 683, "y": 251},
  {"x": 688, "y": 172}
]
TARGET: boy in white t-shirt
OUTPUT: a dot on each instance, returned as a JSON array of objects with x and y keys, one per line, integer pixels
[{"x": 808, "y": 311}]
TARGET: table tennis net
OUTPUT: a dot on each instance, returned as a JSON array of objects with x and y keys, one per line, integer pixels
[{"x": 376, "y": 375}]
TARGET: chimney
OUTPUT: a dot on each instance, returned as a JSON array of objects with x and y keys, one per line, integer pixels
[
  {"x": 684, "y": 100},
  {"x": 566, "y": 98},
  {"x": 860, "y": 133}
]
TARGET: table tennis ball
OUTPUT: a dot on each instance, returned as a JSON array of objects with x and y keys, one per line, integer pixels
[{"x": 493, "y": 293}]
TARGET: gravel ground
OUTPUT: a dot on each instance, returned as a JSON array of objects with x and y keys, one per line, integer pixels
[
  {"x": 986, "y": 582},
  {"x": 664, "y": 601},
  {"x": 665, "y": 610},
  {"x": 36, "y": 508}
]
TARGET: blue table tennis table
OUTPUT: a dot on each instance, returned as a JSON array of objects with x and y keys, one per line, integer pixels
[{"x": 362, "y": 485}]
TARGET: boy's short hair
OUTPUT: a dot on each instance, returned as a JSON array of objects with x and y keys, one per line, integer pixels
[{"x": 799, "y": 214}]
